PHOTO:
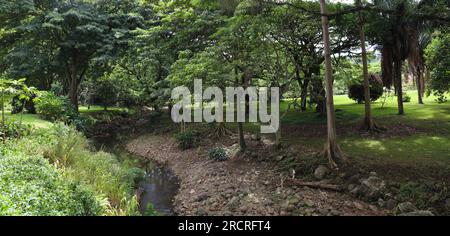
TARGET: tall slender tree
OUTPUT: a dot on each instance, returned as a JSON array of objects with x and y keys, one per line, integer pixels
[{"x": 332, "y": 150}]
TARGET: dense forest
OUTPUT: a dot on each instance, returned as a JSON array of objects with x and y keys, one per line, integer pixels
[{"x": 86, "y": 94}]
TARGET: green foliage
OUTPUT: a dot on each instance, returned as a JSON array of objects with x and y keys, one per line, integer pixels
[
  {"x": 99, "y": 171},
  {"x": 218, "y": 154},
  {"x": 423, "y": 194},
  {"x": 150, "y": 210},
  {"x": 51, "y": 107},
  {"x": 356, "y": 91},
  {"x": 14, "y": 129},
  {"x": 438, "y": 63},
  {"x": 187, "y": 139},
  {"x": 406, "y": 98},
  {"x": 82, "y": 182},
  {"x": 55, "y": 108}
]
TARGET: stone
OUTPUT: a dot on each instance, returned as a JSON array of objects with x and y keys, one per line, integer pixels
[
  {"x": 233, "y": 151},
  {"x": 280, "y": 157},
  {"x": 418, "y": 213},
  {"x": 321, "y": 172},
  {"x": 233, "y": 203},
  {"x": 371, "y": 188},
  {"x": 267, "y": 142},
  {"x": 381, "y": 203},
  {"x": 390, "y": 204},
  {"x": 406, "y": 207},
  {"x": 202, "y": 197},
  {"x": 255, "y": 137},
  {"x": 201, "y": 211},
  {"x": 350, "y": 187}
]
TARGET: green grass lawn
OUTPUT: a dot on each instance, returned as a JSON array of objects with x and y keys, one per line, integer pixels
[
  {"x": 429, "y": 146},
  {"x": 350, "y": 111},
  {"x": 93, "y": 109},
  {"x": 37, "y": 122},
  {"x": 30, "y": 119}
]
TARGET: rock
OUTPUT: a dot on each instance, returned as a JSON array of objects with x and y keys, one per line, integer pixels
[
  {"x": 255, "y": 137},
  {"x": 267, "y": 142},
  {"x": 390, "y": 204},
  {"x": 202, "y": 197},
  {"x": 320, "y": 172},
  {"x": 447, "y": 204},
  {"x": 370, "y": 188},
  {"x": 201, "y": 212},
  {"x": 227, "y": 213},
  {"x": 373, "y": 173},
  {"x": 233, "y": 203},
  {"x": 350, "y": 187},
  {"x": 233, "y": 151},
  {"x": 418, "y": 213},
  {"x": 381, "y": 203},
  {"x": 405, "y": 207},
  {"x": 280, "y": 157},
  {"x": 359, "y": 206}
]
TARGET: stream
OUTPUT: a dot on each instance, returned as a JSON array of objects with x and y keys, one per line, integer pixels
[{"x": 159, "y": 185}]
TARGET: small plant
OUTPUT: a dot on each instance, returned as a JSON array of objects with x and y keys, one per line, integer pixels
[
  {"x": 14, "y": 129},
  {"x": 406, "y": 98},
  {"x": 387, "y": 93},
  {"x": 51, "y": 107},
  {"x": 150, "y": 211},
  {"x": 218, "y": 154},
  {"x": 187, "y": 139}
]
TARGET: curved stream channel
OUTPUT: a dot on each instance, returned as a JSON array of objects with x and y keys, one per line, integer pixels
[{"x": 159, "y": 185}]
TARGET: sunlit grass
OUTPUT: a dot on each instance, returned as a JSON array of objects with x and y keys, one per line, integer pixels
[
  {"x": 29, "y": 119},
  {"x": 420, "y": 148},
  {"x": 349, "y": 111}
]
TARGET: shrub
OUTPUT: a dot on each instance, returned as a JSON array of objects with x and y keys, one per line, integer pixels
[
  {"x": 83, "y": 182},
  {"x": 187, "y": 139},
  {"x": 356, "y": 91},
  {"x": 100, "y": 172},
  {"x": 29, "y": 185},
  {"x": 218, "y": 154},
  {"x": 406, "y": 98},
  {"x": 14, "y": 129},
  {"x": 51, "y": 107}
]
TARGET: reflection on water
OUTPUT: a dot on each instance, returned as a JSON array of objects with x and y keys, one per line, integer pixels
[
  {"x": 158, "y": 188},
  {"x": 159, "y": 185}
]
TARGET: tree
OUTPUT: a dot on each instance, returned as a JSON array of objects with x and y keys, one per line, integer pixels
[
  {"x": 369, "y": 124},
  {"x": 8, "y": 89},
  {"x": 438, "y": 62},
  {"x": 332, "y": 150}
]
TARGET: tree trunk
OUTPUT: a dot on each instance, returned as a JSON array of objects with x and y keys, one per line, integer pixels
[
  {"x": 398, "y": 84},
  {"x": 304, "y": 93},
  {"x": 242, "y": 144},
  {"x": 369, "y": 124},
  {"x": 420, "y": 86},
  {"x": 332, "y": 150},
  {"x": 73, "y": 86},
  {"x": 73, "y": 93}
]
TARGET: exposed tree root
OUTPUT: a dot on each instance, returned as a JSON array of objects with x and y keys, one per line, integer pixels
[
  {"x": 370, "y": 126},
  {"x": 317, "y": 185},
  {"x": 335, "y": 155},
  {"x": 221, "y": 131}
]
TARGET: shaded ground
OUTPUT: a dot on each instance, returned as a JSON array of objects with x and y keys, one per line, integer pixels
[{"x": 242, "y": 186}]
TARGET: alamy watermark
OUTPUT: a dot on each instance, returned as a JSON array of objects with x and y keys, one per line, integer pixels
[{"x": 237, "y": 101}]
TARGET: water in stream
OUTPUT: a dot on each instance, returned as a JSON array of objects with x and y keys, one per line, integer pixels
[{"x": 159, "y": 185}]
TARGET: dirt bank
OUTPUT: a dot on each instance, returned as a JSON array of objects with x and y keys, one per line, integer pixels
[{"x": 242, "y": 186}]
